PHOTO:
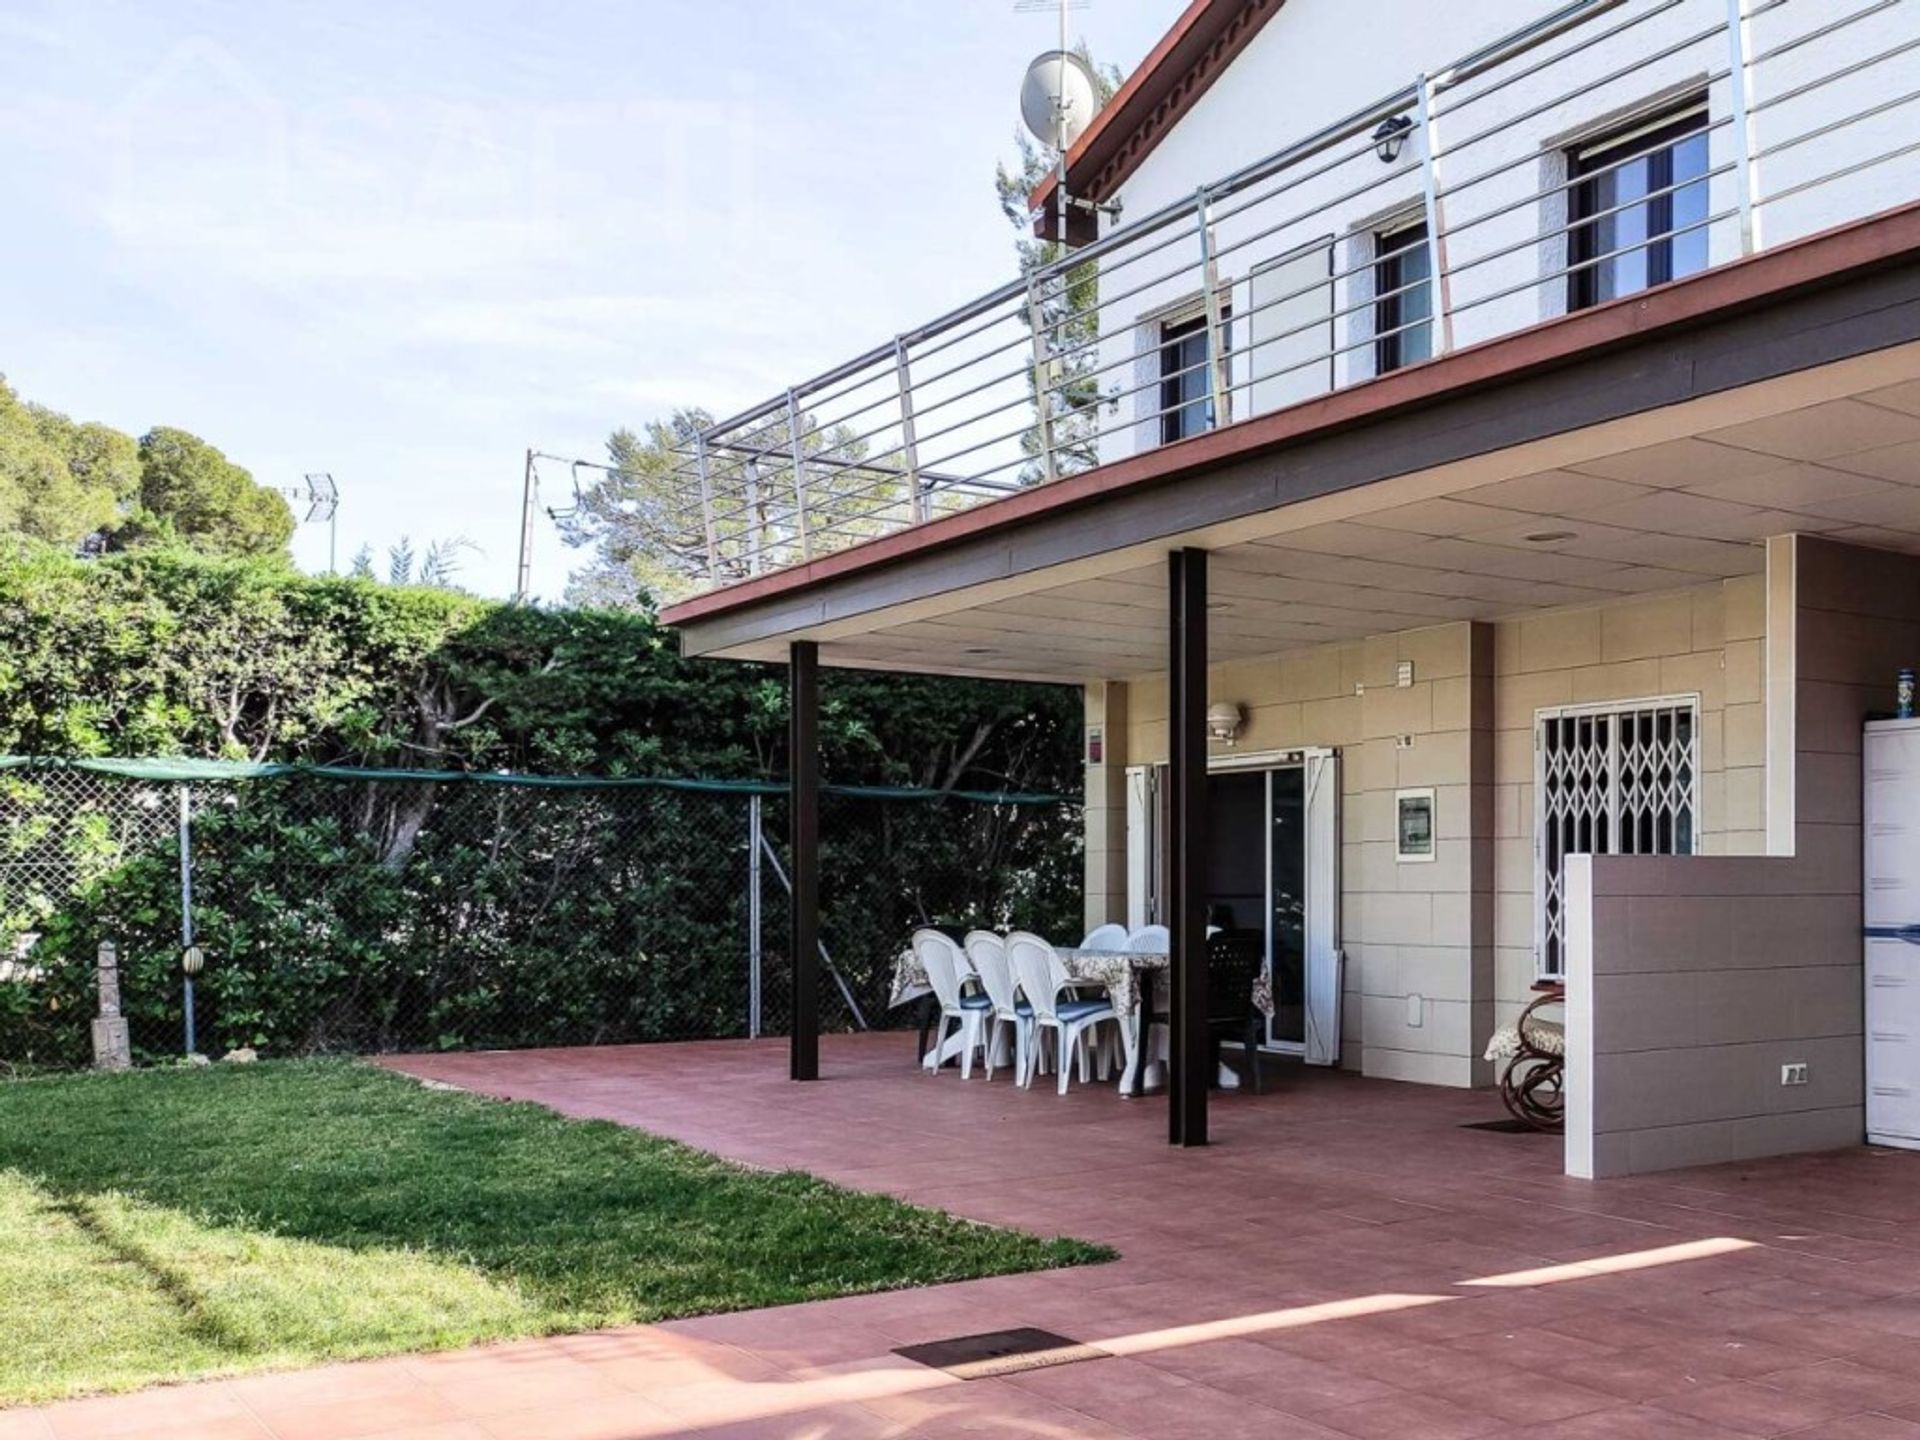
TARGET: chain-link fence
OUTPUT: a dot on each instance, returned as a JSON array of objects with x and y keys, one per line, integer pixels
[{"x": 362, "y": 911}]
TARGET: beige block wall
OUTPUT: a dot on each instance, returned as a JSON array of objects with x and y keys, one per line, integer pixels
[
  {"x": 1707, "y": 641},
  {"x": 1458, "y": 933},
  {"x": 1417, "y": 937}
]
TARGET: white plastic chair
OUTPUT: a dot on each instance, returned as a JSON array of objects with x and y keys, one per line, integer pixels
[
  {"x": 988, "y": 954},
  {"x": 1150, "y": 939},
  {"x": 947, "y": 972},
  {"x": 1105, "y": 937},
  {"x": 1042, "y": 979}
]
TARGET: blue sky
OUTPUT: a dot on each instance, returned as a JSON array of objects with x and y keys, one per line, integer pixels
[{"x": 403, "y": 242}]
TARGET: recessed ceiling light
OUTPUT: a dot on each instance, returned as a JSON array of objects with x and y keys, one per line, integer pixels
[{"x": 1548, "y": 537}]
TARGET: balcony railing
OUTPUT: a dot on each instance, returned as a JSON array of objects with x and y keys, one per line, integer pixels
[{"x": 1790, "y": 116}]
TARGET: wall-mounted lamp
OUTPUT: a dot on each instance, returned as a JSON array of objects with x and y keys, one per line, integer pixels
[
  {"x": 1224, "y": 720},
  {"x": 1390, "y": 138}
]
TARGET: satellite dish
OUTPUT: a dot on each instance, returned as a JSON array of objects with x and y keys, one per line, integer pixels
[{"x": 1058, "y": 98}]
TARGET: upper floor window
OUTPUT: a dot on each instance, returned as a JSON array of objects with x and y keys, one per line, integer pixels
[
  {"x": 1403, "y": 297},
  {"x": 1186, "y": 380},
  {"x": 1636, "y": 214}
]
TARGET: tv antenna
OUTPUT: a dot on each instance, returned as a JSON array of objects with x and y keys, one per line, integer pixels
[
  {"x": 323, "y": 503},
  {"x": 1058, "y": 97}
]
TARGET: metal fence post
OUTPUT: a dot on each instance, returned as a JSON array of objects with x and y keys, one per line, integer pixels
[
  {"x": 755, "y": 844},
  {"x": 1438, "y": 286},
  {"x": 1042, "y": 387},
  {"x": 1745, "y": 180},
  {"x": 799, "y": 474},
  {"x": 756, "y": 517},
  {"x": 186, "y": 910},
  {"x": 1217, "y": 391},
  {"x": 706, "y": 507},
  {"x": 909, "y": 444}
]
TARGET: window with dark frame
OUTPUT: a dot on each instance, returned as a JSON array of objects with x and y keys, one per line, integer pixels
[
  {"x": 1403, "y": 297},
  {"x": 1186, "y": 381},
  {"x": 1636, "y": 214}
]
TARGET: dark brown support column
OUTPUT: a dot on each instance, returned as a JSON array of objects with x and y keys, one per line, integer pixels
[
  {"x": 1187, "y": 845},
  {"x": 803, "y": 805}
]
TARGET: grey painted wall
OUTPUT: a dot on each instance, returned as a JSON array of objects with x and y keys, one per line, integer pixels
[{"x": 1694, "y": 980}]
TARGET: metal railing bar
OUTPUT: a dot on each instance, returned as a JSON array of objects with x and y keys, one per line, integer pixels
[
  {"x": 925, "y": 347},
  {"x": 1810, "y": 86},
  {"x": 1371, "y": 263},
  {"x": 1301, "y": 216},
  {"x": 1445, "y": 83},
  {"x": 1022, "y": 339},
  {"x": 1021, "y": 401},
  {"x": 817, "y": 404},
  {"x": 1820, "y": 33},
  {"x": 1168, "y": 215},
  {"x": 1841, "y": 124},
  {"x": 1840, "y": 174},
  {"x": 1023, "y": 372},
  {"x": 1539, "y": 32},
  {"x": 1084, "y": 343},
  {"x": 1367, "y": 146},
  {"x": 1368, "y": 303},
  {"x": 1506, "y": 123},
  {"x": 1541, "y": 237},
  {"x": 1520, "y": 162},
  {"x": 1566, "y": 270},
  {"x": 1534, "y": 198},
  {"x": 999, "y": 439}
]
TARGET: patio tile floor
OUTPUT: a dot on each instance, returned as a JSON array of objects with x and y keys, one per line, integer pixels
[{"x": 1346, "y": 1261}]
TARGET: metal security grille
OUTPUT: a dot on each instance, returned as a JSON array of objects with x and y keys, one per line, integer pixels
[{"x": 1609, "y": 780}]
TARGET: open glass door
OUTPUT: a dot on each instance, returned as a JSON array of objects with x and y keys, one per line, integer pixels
[
  {"x": 1273, "y": 868},
  {"x": 1303, "y": 891},
  {"x": 1320, "y": 880}
]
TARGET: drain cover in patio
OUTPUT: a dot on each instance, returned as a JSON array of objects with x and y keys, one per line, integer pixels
[{"x": 999, "y": 1352}]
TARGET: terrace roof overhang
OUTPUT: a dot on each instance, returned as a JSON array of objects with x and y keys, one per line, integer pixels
[{"x": 1650, "y": 443}]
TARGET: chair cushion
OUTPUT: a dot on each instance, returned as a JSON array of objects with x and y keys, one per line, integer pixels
[
  {"x": 975, "y": 1002},
  {"x": 1080, "y": 1009}
]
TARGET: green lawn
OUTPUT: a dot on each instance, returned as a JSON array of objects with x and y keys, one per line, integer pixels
[{"x": 175, "y": 1223}]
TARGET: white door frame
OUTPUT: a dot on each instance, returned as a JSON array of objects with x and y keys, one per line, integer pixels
[{"x": 1320, "y": 767}]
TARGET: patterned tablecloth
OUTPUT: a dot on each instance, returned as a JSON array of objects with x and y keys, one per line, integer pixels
[{"x": 1118, "y": 970}]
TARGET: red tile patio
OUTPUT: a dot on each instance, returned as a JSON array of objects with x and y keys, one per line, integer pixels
[{"x": 1346, "y": 1261}]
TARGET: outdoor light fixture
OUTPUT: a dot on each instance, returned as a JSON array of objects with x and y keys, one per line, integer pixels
[
  {"x": 1390, "y": 138},
  {"x": 1224, "y": 720}
]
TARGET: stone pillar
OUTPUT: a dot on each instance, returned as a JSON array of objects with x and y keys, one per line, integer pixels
[{"x": 111, "y": 1048}]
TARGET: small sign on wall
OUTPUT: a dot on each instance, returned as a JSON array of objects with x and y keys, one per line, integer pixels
[
  {"x": 1413, "y": 825},
  {"x": 1096, "y": 745}
]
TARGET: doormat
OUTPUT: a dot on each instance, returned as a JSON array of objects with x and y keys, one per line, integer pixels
[
  {"x": 999, "y": 1352},
  {"x": 1504, "y": 1127}
]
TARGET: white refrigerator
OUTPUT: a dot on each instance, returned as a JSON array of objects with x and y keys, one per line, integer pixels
[{"x": 1891, "y": 885}]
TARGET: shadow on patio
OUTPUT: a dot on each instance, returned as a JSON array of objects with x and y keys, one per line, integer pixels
[{"x": 1347, "y": 1259}]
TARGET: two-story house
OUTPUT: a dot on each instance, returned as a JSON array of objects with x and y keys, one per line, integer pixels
[{"x": 1470, "y": 456}]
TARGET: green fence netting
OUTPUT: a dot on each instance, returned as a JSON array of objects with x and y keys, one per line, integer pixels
[{"x": 343, "y": 909}]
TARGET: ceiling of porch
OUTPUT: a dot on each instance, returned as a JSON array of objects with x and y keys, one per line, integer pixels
[{"x": 1652, "y": 502}]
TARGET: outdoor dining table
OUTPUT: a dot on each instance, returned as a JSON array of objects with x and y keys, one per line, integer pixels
[{"x": 1132, "y": 978}]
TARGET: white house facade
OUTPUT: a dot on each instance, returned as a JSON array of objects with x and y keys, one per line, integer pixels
[{"x": 1475, "y": 476}]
